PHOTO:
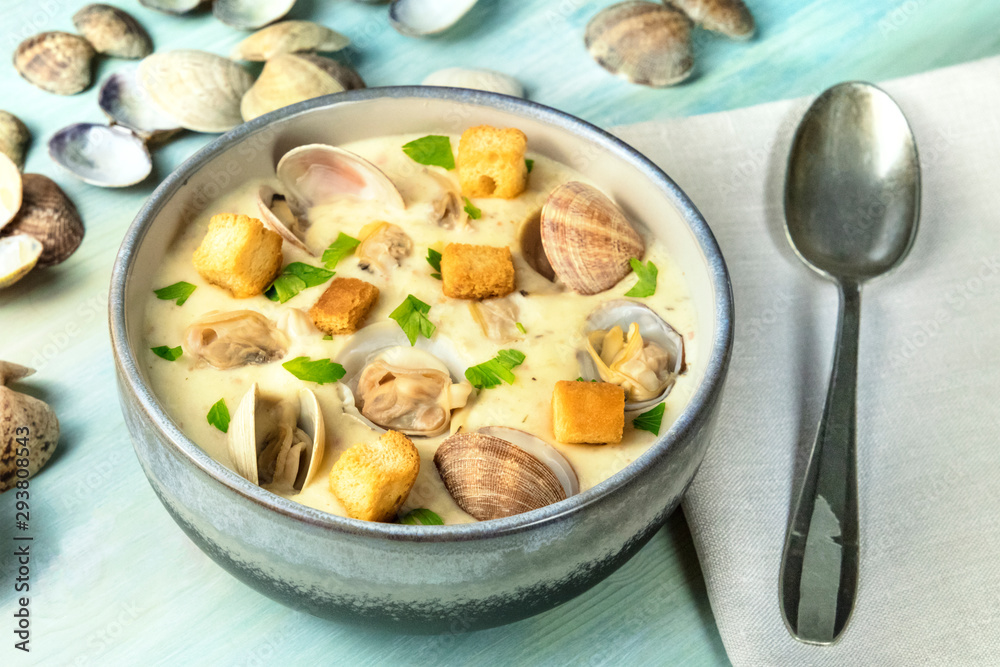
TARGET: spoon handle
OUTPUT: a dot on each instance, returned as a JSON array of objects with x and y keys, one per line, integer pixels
[{"x": 819, "y": 567}]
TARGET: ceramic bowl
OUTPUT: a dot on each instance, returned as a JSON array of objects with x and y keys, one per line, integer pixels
[{"x": 419, "y": 578}]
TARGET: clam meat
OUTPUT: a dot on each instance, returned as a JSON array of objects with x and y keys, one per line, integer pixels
[
  {"x": 18, "y": 255},
  {"x": 418, "y": 18},
  {"x": 14, "y": 138},
  {"x": 499, "y": 471},
  {"x": 18, "y": 410},
  {"x": 58, "y": 62},
  {"x": 277, "y": 215},
  {"x": 250, "y": 14},
  {"x": 476, "y": 79},
  {"x": 645, "y": 361},
  {"x": 448, "y": 207},
  {"x": 48, "y": 215},
  {"x": 108, "y": 156},
  {"x": 383, "y": 246},
  {"x": 277, "y": 443},
  {"x": 587, "y": 238},
  {"x": 122, "y": 99},
  {"x": 497, "y": 318},
  {"x": 112, "y": 31},
  {"x": 234, "y": 338},
  {"x": 729, "y": 17},
  {"x": 289, "y": 37}
]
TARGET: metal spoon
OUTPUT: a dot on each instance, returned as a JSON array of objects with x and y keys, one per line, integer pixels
[{"x": 852, "y": 201}]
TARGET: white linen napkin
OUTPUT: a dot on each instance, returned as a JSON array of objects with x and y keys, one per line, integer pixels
[{"x": 928, "y": 385}]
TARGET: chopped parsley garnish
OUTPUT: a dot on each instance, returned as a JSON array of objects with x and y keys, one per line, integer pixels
[
  {"x": 647, "y": 278},
  {"x": 471, "y": 209},
  {"x": 319, "y": 371},
  {"x": 218, "y": 416},
  {"x": 490, "y": 373},
  {"x": 168, "y": 353},
  {"x": 343, "y": 247},
  {"x": 422, "y": 517},
  {"x": 295, "y": 278},
  {"x": 530, "y": 163},
  {"x": 328, "y": 337},
  {"x": 411, "y": 315},
  {"x": 434, "y": 259},
  {"x": 178, "y": 292},
  {"x": 433, "y": 150},
  {"x": 520, "y": 327},
  {"x": 650, "y": 421}
]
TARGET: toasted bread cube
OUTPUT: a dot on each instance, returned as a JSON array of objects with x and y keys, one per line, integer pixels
[
  {"x": 491, "y": 162},
  {"x": 476, "y": 271},
  {"x": 239, "y": 254},
  {"x": 343, "y": 306},
  {"x": 372, "y": 480},
  {"x": 588, "y": 412}
]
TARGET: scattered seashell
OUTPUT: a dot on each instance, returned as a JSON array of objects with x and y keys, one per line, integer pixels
[
  {"x": 418, "y": 18},
  {"x": 19, "y": 411},
  {"x": 448, "y": 208},
  {"x": 250, "y": 14},
  {"x": 58, "y": 62},
  {"x": 48, "y": 215},
  {"x": 276, "y": 444},
  {"x": 645, "y": 362},
  {"x": 587, "y": 238},
  {"x": 286, "y": 79},
  {"x": 103, "y": 155},
  {"x": 476, "y": 79},
  {"x": 277, "y": 216},
  {"x": 530, "y": 239},
  {"x": 289, "y": 37},
  {"x": 383, "y": 246},
  {"x": 345, "y": 74},
  {"x": 498, "y": 472},
  {"x": 317, "y": 174},
  {"x": 235, "y": 338},
  {"x": 11, "y": 188},
  {"x": 643, "y": 42},
  {"x": 113, "y": 32},
  {"x": 200, "y": 91},
  {"x": 14, "y": 138},
  {"x": 18, "y": 255},
  {"x": 124, "y": 102},
  {"x": 729, "y": 17},
  {"x": 171, "y": 6}
]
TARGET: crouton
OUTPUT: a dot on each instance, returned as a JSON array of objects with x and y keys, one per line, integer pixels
[
  {"x": 372, "y": 480},
  {"x": 343, "y": 306},
  {"x": 239, "y": 254},
  {"x": 491, "y": 162},
  {"x": 588, "y": 412},
  {"x": 476, "y": 271}
]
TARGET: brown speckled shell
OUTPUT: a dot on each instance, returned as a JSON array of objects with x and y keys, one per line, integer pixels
[
  {"x": 587, "y": 238},
  {"x": 729, "y": 17},
  {"x": 644, "y": 42},
  {"x": 58, "y": 62},
  {"x": 14, "y": 138},
  {"x": 491, "y": 478},
  {"x": 19, "y": 411},
  {"x": 113, "y": 32},
  {"x": 47, "y": 214}
]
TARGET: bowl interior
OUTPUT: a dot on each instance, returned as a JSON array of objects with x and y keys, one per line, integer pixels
[{"x": 646, "y": 195}]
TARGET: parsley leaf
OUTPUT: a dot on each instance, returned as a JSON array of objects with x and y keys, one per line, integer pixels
[
  {"x": 178, "y": 292},
  {"x": 319, "y": 371},
  {"x": 295, "y": 278},
  {"x": 489, "y": 373},
  {"x": 647, "y": 278},
  {"x": 520, "y": 327},
  {"x": 434, "y": 259},
  {"x": 422, "y": 517},
  {"x": 530, "y": 163},
  {"x": 343, "y": 247},
  {"x": 168, "y": 353},
  {"x": 328, "y": 337},
  {"x": 431, "y": 150},
  {"x": 411, "y": 315},
  {"x": 218, "y": 416},
  {"x": 471, "y": 209},
  {"x": 650, "y": 420}
]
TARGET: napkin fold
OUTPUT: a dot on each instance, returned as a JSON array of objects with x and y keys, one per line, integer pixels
[{"x": 928, "y": 414}]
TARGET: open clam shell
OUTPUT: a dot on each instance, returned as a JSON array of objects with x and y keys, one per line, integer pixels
[
  {"x": 108, "y": 156},
  {"x": 11, "y": 190},
  {"x": 418, "y": 18},
  {"x": 289, "y": 37},
  {"x": 587, "y": 238},
  {"x": 729, "y": 17},
  {"x": 58, "y": 62},
  {"x": 250, "y": 14},
  {"x": 47, "y": 214},
  {"x": 276, "y": 443},
  {"x": 643, "y": 42},
  {"x": 317, "y": 174},
  {"x": 122, "y": 99},
  {"x": 18, "y": 255},
  {"x": 14, "y": 138},
  {"x": 200, "y": 91},
  {"x": 476, "y": 79},
  {"x": 653, "y": 329},
  {"x": 497, "y": 472},
  {"x": 112, "y": 31},
  {"x": 286, "y": 79},
  {"x": 277, "y": 216}
]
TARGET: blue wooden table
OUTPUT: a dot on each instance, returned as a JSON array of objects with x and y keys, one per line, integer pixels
[{"x": 114, "y": 581}]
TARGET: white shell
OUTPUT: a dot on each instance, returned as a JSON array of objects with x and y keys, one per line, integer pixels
[
  {"x": 125, "y": 103},
  {"x": 19, "y": 254},
  {"x": 417, "y": 18},
  {"x": 250, "y": 14},
  {"x": 11, "y": 190},
  {"x": 171, "y": 6},
  {"x": 108, "y": 156},
  {"x": 289, "y": 37},
  {"x": 476, "y": 79}
]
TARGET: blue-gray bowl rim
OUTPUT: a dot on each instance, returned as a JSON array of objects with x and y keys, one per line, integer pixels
[{"x": 689, "y": 420}]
